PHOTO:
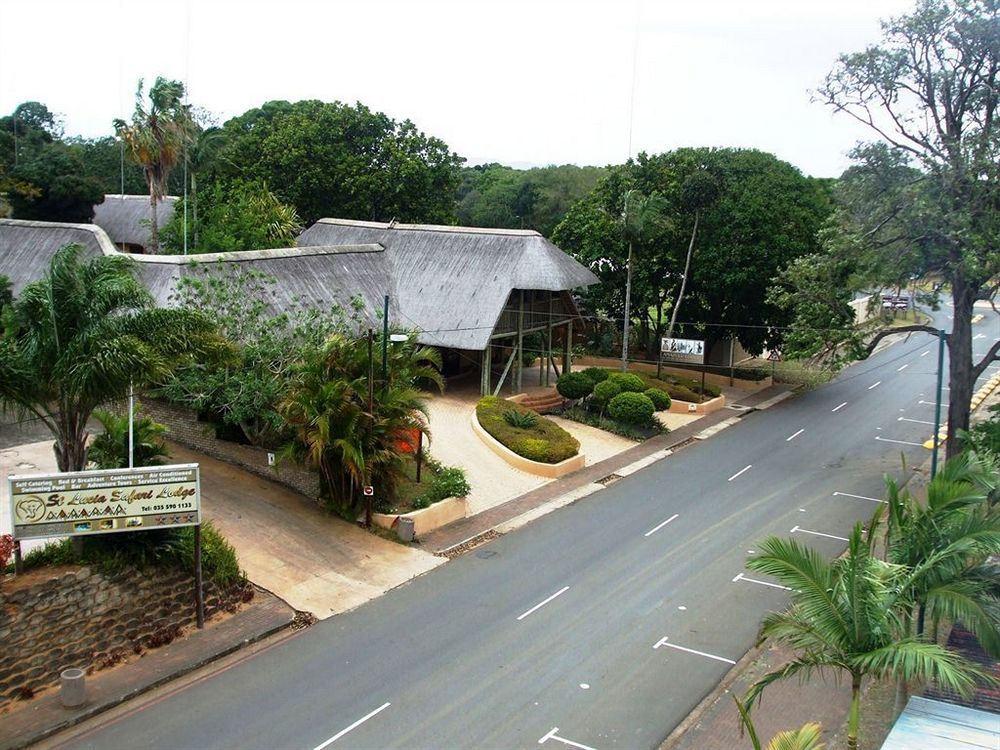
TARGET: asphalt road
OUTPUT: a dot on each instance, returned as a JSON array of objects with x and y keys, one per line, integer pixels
[{"x": 600, "y": 625}]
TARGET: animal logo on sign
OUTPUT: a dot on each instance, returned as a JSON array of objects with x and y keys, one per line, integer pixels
[{"x": 29, "y": 509}]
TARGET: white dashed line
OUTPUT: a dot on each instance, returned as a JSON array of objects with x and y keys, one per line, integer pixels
[
  {"x": 792, "y": 437},
  {"x": 563, "y": 590},
  {"x": 353, "y": 726},
  {"x": 900, "y": 369},
  {"x": 876, "y": 384},
  {"x": 838, "y": 408},
  {"x": 745, "y": 468},
  {"x": 657, "y": 528}
]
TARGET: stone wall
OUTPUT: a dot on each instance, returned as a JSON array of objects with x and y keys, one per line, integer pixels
[
  {"x": 188, "y": 431},
  {"x": 77, "y": 617}
]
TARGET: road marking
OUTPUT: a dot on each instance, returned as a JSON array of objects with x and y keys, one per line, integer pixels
[
  {"x": 933, "y": 403},
  {"x": 918, "y": 421},
  {"x": 745, "y": 468},
  {"x": 742, "y": 577},
  {"x": 792, "y": 437},
  {"x": 355, "y": 725},
  {"x": 657, "y": 528},
  {"x": 876, "y": 384},
  {"x": 898, "y": 442},
  {"x": 552, "y": 736},
  {"x": 979, "y": 336},
  {"x": 859, "y": 497},
  {"x": 839, "y": 407},
  {"x": 818, "y": 533},
  {"x": 900, "y": 369},
  {"x": 563, "y": 590},
  {"x": 924, "y": 354},
  {"x": 663, "y": 642}
]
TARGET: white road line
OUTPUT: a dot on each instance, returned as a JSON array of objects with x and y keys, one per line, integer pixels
[
  {"x": 933, "y": 403},
  {"x": 876, "y": 384},
  {"x": 745, "y": 468},
  {"x": 552, "y": 736},
  {"x": 924, "y": 354},
  {"x": 742, "y": 577},
  {"x": 900, "y": 369},
  {"x": 979, "y": 336},
  {"x": 563, "y": 590},
  {"x": 657, "y": 528},
  {"x": 898, "y": 442},
  {"x": 355, "y": 725},
  {"x": 918, "y": 421},
  {"x": 792, "y": 437},
  {"x": 838, "y": 408},
  {"x": 663, "y": 642},
  {"x": 859, "y": 497},
  {"x": 819, "y": 533}
]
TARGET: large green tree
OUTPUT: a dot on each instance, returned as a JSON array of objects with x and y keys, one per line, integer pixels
[
  {"x": 928, "y": 199},
  {"x": 81, "y": 336},
  {"x": 156, "y": 139},
  {"x": 332, "y": 160}
]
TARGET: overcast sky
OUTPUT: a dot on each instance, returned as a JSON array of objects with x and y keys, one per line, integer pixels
[{"x": 518, "y": 82}]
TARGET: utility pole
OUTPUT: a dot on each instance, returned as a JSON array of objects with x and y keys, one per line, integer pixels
[
  {"x": 385, "y": 343},
  {"x": 937, "y": 403},
  {"x": 369, "y": 499}
]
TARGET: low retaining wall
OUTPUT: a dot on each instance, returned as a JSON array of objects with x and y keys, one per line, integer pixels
[
  {"x": 526, "y": 464},
  {"x": 706, "y": 407},
  {"x": 200, "y": 436},
  {"x": 650, "y": 367},
  {"x": 428, "y": 519},
  {"x": 76, "y": 617}
]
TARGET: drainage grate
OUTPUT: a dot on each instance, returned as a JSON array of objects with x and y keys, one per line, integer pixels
[{"x": 609, "y": 479}]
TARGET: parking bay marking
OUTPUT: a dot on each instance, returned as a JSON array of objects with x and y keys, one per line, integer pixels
[
  {"x": 541, "y": 604},
  {"x": 660, "y": 526},
  {"x": 898, "y": 442},
  {"x": 353, "y": 726},
  {"x": 742, "y": 577},
  {"x": 859, "y": 497},
  {"x": 918, "y": 421},
  {"x": 663, "y": 642},
  {"x": 552, "y": 736},
  {"x": 818, "y": 533}
]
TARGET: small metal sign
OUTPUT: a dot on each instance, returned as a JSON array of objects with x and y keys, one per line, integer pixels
[
  {"x": 774, "y": 356},
  {"x": 682, "y": 350},
  {"x": 369, "y": 491},
  {"x": 101, "y": 502}
]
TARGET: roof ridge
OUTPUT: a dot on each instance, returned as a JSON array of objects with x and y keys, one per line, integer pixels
[{"x": 444, "y": 228}]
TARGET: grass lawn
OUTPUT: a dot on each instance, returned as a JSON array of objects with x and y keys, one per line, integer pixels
[{"x": 408, "y": 488}]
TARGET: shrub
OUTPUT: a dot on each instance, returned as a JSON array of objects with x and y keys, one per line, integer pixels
[
  {"x": 628, "y": 382},
  {"x": 680, "y": 393},
  {"x": 449, "y": 482},
  {"x": 632, "y": 432},
  {"x": 660, "y": 398},
  {"x": 604, "y": 392},
  {"x": 574, "y": 385},
  {"x": 595, "y": 374},
  {"x": 521, "y": 419},
  {"x": 546, "y": 442},
  {"x": 634, "y": 408},
  {"x": 6, "y": 548}
]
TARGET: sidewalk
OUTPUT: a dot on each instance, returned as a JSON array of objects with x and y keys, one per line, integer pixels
[
  {"x": 586, "y": 480},
  {"x": 43, "y": 716}
]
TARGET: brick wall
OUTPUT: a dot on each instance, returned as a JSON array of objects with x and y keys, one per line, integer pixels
[
  {"x": 188, "y": 431},
  {"x": 81, "y": 618}
]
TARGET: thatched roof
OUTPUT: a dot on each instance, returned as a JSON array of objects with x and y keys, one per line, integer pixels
[
  {"x": 448, "y": 283},
  {"x": 453, "y": 282},
  {"x": 126, "y": 217}
]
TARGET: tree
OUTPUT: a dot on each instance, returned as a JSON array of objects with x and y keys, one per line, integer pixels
[
  {"x": 349, "y": 427},
  {"x": 156, "y": 139},
  {"x": 48, "y": 185},
  {"x": 928, "y": 91},
  {"x": 847, "y": 616},
  {"x": 334, "y": 160},
  {"x": 109, "y": 450},
  {"x": 238, "y": 215},
  {"x": 80, "y": 336},
  {"x": 805, "y": 738}
]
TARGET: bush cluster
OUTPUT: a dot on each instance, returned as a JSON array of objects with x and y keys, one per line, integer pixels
[
  {"x": 627, "y": 382},
  {"x": 545, "y": 442},
  {"x": 659, "y": 397},
  {"x": 604, "y": 392},
  {"x": 575, "y": 385},
  {"x": 634, "y": 408}
]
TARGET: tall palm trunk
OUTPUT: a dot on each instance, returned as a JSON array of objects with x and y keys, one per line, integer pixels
[
  {"x": 854, "y": 714},
  {"x": 194, "y": 207},
  {"x": 684, "y": 278},
  {"x": 154, "y": 229}
]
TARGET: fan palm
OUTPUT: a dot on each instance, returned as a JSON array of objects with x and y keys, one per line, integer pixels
[
  {"x": 155, "y": 140},
  {"x": 847, "y": 616},
  {"x": 79, "y": 338}
]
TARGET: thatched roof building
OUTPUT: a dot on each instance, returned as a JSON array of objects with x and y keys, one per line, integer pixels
[
  {"x": 125, "y": 218},
  {"x": 473, "y": 290}
]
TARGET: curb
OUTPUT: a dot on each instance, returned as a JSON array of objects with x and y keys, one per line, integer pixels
[{"x": 24, "y": 741}]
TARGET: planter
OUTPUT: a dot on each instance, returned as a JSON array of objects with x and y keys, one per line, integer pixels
[
  {"x": 719, "y": 378},
  {"x": 426, "y": 520},
  {"x": 707, "y": 407},
  {"x": 537, "y": 468}
]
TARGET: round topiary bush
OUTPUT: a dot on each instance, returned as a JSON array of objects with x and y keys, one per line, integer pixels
[
  {"x": 627, "y": 382},
  {"x": 595, "y": 374},
  {"x": 660, "y": 398},
  {"x": 574, "y": 385},
  {"x": 633, "y": 408},
  {"x": 604, "y": 392}
]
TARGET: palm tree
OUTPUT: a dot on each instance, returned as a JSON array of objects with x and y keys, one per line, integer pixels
[
  {"x": 847, "y": 616},
  {"x": 156, "y": 140},
  {"x": 80, "y": 336},
  {"x": 805, "y": 738},
  {"x": 109, "y": 450}
]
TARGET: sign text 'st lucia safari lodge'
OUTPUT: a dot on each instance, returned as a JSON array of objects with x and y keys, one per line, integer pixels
[{"x": 96, "y": 502}]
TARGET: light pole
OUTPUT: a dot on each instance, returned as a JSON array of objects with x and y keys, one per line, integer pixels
[{"x": 937, "y": 401}]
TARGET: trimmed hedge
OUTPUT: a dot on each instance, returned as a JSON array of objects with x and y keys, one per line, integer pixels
[
  {"x": 596, "y": 374},
  {"x": 604, "y": 392},
  {"x": 628, "y": 382},
  {"x": 678, "y": 388},
  {"x": 546, "y": 442},
  {"x": 574, "y": 385},
  {"x": 634, "y": 408},
  {"x": 659, "y": 397}
]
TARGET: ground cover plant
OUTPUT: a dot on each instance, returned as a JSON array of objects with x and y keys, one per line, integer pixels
[{"x": 544, "y": 441}]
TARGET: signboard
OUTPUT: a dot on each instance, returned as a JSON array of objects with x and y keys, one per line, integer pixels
[
  {"x": 100, "y": 502},
  {"x": 682, "y": 350}
]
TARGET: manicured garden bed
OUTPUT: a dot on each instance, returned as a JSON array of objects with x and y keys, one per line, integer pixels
[{"x": 537, "y": 439}]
